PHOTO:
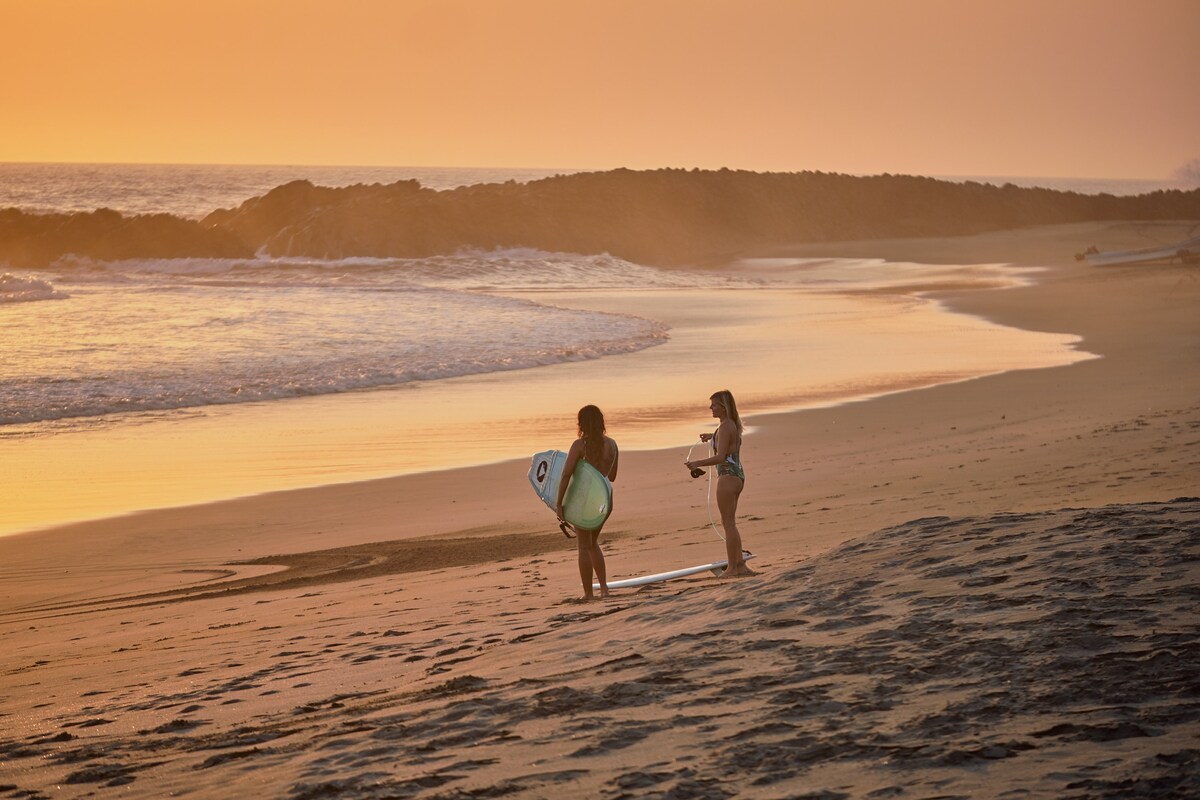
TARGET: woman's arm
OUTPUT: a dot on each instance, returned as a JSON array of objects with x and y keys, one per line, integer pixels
[
  {"x": 616, "y": 461},
  {"x": 727, "y": 436}
]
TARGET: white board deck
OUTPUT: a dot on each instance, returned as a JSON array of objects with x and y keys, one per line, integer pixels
[{"x": 626, "y": 583}]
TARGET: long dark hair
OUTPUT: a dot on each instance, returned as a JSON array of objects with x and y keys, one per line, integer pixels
[
  {"x": 591, "y": 428},
  {"x": 725, "y": 398}
]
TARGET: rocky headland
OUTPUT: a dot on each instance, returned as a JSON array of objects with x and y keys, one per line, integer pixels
[{"x": 662, "y": 217}]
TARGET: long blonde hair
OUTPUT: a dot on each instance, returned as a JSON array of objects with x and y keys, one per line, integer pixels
[{"x": 725, "y": 398}]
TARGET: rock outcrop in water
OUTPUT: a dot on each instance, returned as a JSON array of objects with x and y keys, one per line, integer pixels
[
  {"x": 37, "y": 240},
  {"x": 659, "y": 217},
  {"x": 664, "y": 217}
]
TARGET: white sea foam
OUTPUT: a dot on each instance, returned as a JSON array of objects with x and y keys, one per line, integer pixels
[
  {"x": 512, "y": 270},
  {"x": 14, "y": 289},
  {"x": 168, "y": 334},
  {"x": 875, "y": 274}
]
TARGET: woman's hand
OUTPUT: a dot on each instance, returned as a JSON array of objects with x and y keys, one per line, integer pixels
[{"x": 562, "y": 523}]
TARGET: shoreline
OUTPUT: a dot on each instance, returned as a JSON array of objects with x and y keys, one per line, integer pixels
[
  {"x": 434, "y": 504},
  {"x": 784, "y": 345}
]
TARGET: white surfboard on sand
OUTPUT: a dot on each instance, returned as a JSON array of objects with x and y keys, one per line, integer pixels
[{"x": 715, "y": 568}]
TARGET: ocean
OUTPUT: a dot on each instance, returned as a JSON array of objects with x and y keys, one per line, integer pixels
[
  {"x": 98, "y": 358},
  {"x": 194, "y": 190},
  {"x": 86, "y": 339}
]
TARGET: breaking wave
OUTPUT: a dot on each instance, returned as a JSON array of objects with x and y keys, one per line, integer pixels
[
  {"x": 14, "y": 289},
  {"x": 155, "y": 335}
]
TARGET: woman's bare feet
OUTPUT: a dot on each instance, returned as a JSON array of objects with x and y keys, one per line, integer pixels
[{"x": 738, "y": 571}]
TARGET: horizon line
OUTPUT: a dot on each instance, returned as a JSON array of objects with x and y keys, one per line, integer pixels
[{"x": 572, "y": 170}]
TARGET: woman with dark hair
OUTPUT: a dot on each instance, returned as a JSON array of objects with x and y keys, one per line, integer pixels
[
  {"x": 731, "y": 477},
  {"x": 601, "y": 452}
]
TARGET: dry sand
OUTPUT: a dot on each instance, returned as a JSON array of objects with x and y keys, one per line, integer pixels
[{"x": 981, "y": 589}]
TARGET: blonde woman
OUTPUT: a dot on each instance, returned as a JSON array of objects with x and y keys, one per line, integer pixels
[{"x": 731, "y": 477}]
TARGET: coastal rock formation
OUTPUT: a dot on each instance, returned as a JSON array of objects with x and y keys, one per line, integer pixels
[
  {"x": 37, "y": 240},
  {"x": 663, "y": 217}
]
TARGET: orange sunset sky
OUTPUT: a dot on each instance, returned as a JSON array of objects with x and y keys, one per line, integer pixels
[{"x": 1071, "y": 88}]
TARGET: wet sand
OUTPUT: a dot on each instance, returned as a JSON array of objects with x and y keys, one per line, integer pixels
[{"x": 967, "y": 590}]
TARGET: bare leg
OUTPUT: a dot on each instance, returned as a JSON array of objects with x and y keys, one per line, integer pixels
[
  {"x": 583, "y": 538},
  {"x": 598, "y": 565},
  {"x": 729, "y": 489}
]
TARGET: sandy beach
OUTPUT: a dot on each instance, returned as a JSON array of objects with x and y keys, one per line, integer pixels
[{"x": 980, "y": 589}]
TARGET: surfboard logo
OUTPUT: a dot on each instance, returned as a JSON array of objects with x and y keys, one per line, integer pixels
[{"x": 542, "y": 468}]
